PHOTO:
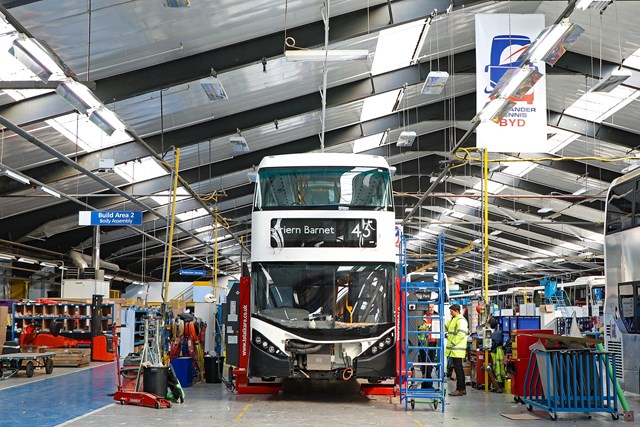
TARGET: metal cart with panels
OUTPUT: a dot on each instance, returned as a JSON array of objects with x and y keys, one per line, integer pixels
[{"x": 570, "y": 381}]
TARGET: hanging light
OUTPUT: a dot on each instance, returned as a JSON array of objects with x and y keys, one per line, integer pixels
[
  {"x": 551, "y": 43},
  {"x": 435, "y": 82},
  {"x": 36, "y": 58},
  {"x": 612, "y": 81}
]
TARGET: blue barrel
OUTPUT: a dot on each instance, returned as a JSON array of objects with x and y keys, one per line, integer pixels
[{"x": 183, "y": 366}]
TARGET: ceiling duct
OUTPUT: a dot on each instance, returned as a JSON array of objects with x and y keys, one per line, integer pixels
[{"x": 82, "y": 261}]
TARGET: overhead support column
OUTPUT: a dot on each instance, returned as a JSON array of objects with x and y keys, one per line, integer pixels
[{"x": 96, "y": 253}]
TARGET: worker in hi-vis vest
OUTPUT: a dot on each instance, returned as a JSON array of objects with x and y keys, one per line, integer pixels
[{"x": 456, "y": 330}]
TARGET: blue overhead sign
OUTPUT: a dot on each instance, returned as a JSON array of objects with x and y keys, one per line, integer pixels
[
  {"x": 184, "y": 272},
  {"x": 114, "y": 218}
]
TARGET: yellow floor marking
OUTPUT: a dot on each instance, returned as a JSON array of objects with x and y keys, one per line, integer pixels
[{"x": 253, "y": 399}]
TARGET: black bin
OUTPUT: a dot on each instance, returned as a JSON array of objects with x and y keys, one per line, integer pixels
[
  {"x": 155, "y": 380},
  {"x": 212, "y": 367}
]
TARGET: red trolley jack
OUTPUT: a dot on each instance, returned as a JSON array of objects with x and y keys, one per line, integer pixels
[{"x": 138, "y": 398}]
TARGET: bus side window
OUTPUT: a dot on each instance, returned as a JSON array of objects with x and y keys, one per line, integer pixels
[{"x": 620, "y": 207}]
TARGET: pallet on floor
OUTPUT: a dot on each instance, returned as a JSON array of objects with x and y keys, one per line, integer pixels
[{"x": 72, "y": 357}]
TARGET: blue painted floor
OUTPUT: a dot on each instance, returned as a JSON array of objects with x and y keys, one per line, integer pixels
[{"x": 54, "y": 400}]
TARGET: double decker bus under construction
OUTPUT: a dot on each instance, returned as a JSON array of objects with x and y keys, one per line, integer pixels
[{"x": 323, "y": 268}]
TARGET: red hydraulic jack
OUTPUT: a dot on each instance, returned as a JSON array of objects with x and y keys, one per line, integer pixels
[
  {"x": 242, "y": 384},
  {"x": 138, "y": 398}
]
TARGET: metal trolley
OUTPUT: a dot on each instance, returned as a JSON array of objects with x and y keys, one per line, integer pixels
[
  {"x": 571, "y": 381},
  {"x": 414, "y": 299}
]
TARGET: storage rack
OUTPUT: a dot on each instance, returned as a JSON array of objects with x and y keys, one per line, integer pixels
[
  {"x": 563, "y": 324},
  {"x": 75, "y": 318},
  {"x": 412, "y": 306}
]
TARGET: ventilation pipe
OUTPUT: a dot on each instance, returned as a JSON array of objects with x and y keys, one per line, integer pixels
[{"x": 82, "y": 261}]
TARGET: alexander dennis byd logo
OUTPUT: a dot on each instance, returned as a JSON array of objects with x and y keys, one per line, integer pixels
[{"x": 505, "y": 50}]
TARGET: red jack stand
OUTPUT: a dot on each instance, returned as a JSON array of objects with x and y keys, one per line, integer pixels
[{"x": 242, "y": 384}]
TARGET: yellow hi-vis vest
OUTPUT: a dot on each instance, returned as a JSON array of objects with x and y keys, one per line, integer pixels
[{"x": 457, "y": 330}]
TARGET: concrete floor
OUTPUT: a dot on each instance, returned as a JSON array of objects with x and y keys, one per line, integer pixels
[{"x": 311, "y": 404}]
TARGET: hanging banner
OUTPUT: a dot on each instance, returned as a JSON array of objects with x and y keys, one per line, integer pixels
[{"x": 500, "y": 38}]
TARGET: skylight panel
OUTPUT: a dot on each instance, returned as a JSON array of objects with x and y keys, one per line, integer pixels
[
  {"x": 559, "y": 139},
  {"x": 142, "y": 170},
  {"x": 395, "y": 47},
  {"x": 597, "y": 106},
  {"x": 203, "y": 229},
  {"x": 633, "y": 61},
  {"x": 90, "y": 137},
  {"x": 196, "y": 213},
  {"x": 494, "y": 187},
  {"x": 519, "y": 168},
  {"x": 466, "y": 201},
  {"x": 368, "y": 142},
  {"x": 164, "y": 197},
  {"x": 379, "y": 105},
  {"x": 572, "y": 246}
]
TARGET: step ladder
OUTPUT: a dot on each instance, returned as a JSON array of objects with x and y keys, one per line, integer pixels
[
  {"x": 558, "y": 301},
  {"x": 415, "y": 298}
]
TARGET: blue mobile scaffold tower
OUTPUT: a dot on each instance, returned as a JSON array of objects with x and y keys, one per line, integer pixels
[{"x": 415, "y": 358}]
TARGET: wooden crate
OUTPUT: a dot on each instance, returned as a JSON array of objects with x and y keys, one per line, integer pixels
[{"x": 74, "y": 357}]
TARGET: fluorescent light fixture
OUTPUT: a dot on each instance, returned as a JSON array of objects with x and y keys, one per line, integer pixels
[
  {"x": 212, "y": 86},
  {"x": 106, "y": 120},
  {"x": 557, "y": 260},
  {"x": 586, "y": 254},
  {"x": 434, "y": 83},
  {"x": 16, "y": 176},
  {"x": 320, "y": 55},
  {"x": 612, "y": 81},
  {"x": 406, "y": 138},
  {"x": 495, "y": 232},
  {"x": 597, "y": 5},
  {"x": 48, "y": 264},
  {"x": 36, "y": 58},
  {"x": 7, "y": 257},
  {"x": 456, "y": 260},
  {"x": 551, "y": 43},
  {"x": 495, "y": 110},
  {"x": 176, "y": 3},
  {"x": 49, "y": 191},
  {"x": 239, "y": 144},
  {"x": 545, "y": 210},
  {"x": 515, "y": 83},
  {"x": 78, "y": 96},
  {"x": 631, "y": 167},
  {"x": 108, "y": 277},
  {"x": 27, "y": 260}
]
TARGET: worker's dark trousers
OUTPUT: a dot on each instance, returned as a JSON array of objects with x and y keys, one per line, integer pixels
[{"x": 457, "y": 367}]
